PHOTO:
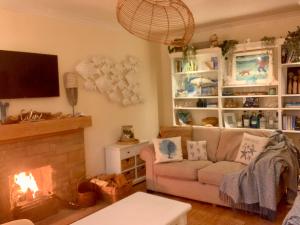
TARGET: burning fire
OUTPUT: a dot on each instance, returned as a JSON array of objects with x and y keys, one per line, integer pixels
[{"x": 26, "y": 183}]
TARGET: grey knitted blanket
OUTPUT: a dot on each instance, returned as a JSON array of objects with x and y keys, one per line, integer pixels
[
  {"x": 293, "y": 217},
  {"x": 254, "y": 188}
]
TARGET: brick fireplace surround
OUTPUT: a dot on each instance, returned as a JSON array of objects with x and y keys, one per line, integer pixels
[{"x": 57, "y": 144}]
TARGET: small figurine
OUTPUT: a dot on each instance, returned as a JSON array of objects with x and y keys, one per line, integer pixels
[
  {"x": 290, "y": 83},
  {"x": 213, "y": 40},
  {"x": 298, "y": 81},
  {"x": 295, "y": 85}
]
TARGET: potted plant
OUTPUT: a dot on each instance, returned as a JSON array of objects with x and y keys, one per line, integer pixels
[
  {"x": 291, "y": 46},
  {"x": 228, "y": 47}
]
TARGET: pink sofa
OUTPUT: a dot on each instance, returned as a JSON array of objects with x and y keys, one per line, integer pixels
[{"x": 198, "y": 180}]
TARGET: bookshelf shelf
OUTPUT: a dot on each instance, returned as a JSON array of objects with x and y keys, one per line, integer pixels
[
  {"x": 250, "y": 85},
  {"x": 250, "y": 109},
  {"x": 247, "y": 96},
  {"x": 290, "y": 64},
  {"x": 196, "y": 72},
  {"x": 195, "y": 108},
  {"x": 290, "y": 95},
  {"x": 291, "y": 109},
  {"x": 291, "y": 131},
  {"x": 196, "y": 97}
]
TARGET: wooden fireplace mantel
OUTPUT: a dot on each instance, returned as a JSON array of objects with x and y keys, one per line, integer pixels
[{"x": 46, "y": 127}]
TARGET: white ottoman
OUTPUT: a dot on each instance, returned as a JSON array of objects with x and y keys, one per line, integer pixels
[{"x": 140, "y": 209}]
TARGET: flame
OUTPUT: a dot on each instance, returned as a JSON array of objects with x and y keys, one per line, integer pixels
[{"x": 26, "y": 182}]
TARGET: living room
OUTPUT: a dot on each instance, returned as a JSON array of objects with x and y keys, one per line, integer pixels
[{"x": 78, "y": 32}]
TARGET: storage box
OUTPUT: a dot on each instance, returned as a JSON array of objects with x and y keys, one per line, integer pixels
[{"x": 113, "y": 194}]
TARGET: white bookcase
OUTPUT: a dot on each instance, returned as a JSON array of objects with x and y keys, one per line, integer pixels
[
  {"x": 209, "y": 94},
  {"x": 270, "y": 104}
]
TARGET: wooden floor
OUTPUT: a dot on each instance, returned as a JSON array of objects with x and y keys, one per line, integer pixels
[{"x": 201, "y": 213}]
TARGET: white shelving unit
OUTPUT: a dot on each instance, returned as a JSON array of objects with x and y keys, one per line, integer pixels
[
  {"x": 204, "y": 71},
  {"x": 269, "y": 104}
]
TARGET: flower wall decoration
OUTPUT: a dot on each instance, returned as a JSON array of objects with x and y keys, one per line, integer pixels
[{"x": 117, "y": 80}]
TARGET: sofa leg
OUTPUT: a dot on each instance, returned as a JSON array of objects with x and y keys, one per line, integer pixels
[{"x": 150, "y": 191}]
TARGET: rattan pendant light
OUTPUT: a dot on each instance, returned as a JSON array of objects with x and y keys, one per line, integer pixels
[{"x": 165, "y": 21}]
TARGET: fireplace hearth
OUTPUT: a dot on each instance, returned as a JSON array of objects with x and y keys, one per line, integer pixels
[{"x": 34, "y": 169}]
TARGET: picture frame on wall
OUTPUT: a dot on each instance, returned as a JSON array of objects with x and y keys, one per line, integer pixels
[
  {"x": 252, "y": 67},
  {"x": 229, "y": 120}
]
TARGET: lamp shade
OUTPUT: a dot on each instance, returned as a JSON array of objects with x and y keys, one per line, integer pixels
[
  {"x": 70, "y": 80},
  {"x": 168, "y": 22}
]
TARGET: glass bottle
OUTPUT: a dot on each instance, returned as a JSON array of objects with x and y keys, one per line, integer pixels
[
  {"x": 246, "y": 119},
  {"x": 276, "y": 121},
  {"x": 259, "y": 115},
  {"x": 262, "y": 122},
  {"x": 253, "y": 120},
  {"x": 270, "y": 122}
]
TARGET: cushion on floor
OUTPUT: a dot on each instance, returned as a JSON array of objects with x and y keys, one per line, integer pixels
[
  {"x": 214, "y": 173},
  {"x": 186, "y": 170}
]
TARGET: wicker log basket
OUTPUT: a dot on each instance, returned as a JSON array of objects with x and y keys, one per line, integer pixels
[{"x": 168, "y": 22}]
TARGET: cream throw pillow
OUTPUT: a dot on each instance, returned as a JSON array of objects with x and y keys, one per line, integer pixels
[
  {"x": 250, "y": 148},
  {"x": 197, "y": 150},
  {"x": 167, "y": 149}
]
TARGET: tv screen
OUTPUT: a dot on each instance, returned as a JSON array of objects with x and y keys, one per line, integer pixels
[{"x": 28, "y": 75}]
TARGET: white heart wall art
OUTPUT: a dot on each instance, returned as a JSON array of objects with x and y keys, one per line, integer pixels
[{"x": 117, "y": 80}]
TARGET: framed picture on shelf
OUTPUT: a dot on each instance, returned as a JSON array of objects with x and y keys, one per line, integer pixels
[
  {"x": 229, "y": 120},
  {"x": 253, "y": 67}
]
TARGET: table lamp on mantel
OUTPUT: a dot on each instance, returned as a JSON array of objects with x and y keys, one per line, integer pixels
[{"x": 71, "y": 85}]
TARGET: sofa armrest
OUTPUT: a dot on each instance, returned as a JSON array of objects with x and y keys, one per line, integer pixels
[{"x": 147, "y": 154}]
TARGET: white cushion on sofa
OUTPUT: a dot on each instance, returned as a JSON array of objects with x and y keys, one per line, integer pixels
[
  {"x": 197, "y": 150},
  {"x": 167, "y": 149},
  {"x": 250, "y": 148}
]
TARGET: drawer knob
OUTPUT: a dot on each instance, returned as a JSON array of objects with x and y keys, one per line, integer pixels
[{"x": 128, "y": 152}]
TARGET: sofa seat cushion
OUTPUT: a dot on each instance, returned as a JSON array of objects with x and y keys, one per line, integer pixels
[
  {"x": 214, "y": 173},
  {"x": 185, "y": 170}
]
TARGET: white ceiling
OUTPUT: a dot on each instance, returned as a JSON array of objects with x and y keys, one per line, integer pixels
[{"x": 204, "y": 11}]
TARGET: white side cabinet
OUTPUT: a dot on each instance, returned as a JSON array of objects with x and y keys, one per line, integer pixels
[{"x": 125, "y": 159}]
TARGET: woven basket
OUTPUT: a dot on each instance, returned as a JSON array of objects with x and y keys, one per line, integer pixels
[{"x": 86, "y": 195}]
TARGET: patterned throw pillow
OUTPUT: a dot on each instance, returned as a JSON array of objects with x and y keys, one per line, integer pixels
[
  {"x": 167, "y": 149},
  {"x": 197, "y": 150},
  {"x": 250, "y": 148}
]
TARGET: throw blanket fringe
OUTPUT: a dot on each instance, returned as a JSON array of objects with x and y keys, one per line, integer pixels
[
  {"x": 251, "y": 208},
  {"x": 254, "y": 189}
]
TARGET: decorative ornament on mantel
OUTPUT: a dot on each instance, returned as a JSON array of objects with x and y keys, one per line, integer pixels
[
  {"x": 169, "y": 22},
  {"x": 117, "y": 80}
]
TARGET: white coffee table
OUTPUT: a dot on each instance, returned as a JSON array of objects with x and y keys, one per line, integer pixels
[{"x": 140, "y": 209}]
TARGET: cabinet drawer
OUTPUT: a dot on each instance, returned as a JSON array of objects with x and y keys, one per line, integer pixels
[
  {"x": 130, "y": 175},
  {"x": 127, "y": 163},
  {"x": 127, "y": 153},
  {"x": 141, "y": 171},
  {"x": 139, "y": 161}
]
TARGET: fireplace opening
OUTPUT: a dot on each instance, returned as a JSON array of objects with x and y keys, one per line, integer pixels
[
  {"x": 30, "y": 186},
  {"x": 31, "y": 194}
]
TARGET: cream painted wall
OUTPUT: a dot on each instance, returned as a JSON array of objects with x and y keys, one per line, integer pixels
[
  {"x": 253, "y": 28},
  {"x": 72, "y": 42}
]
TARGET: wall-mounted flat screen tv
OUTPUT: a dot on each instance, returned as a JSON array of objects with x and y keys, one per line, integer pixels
[{"x": 28, "y": 75}]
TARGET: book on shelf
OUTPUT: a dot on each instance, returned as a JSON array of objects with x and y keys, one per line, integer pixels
[
  {"x": 290, "y": 122},
  {"x": 292, "y": 105}
]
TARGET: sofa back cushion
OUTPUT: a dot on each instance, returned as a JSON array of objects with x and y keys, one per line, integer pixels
[
  {"x": 212, "y": 136},
  {"x": 231, "y": 140},
  {"x": 184, "y": 132}
]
